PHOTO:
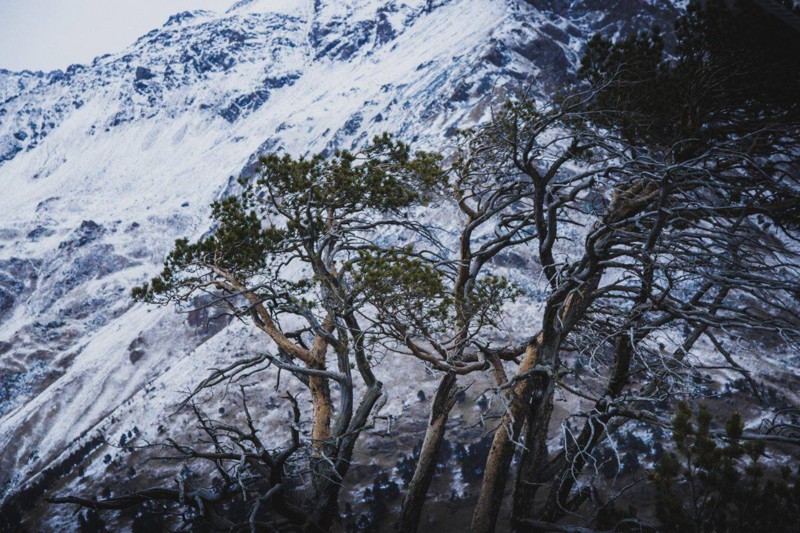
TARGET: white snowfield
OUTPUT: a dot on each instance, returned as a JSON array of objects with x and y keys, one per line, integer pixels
[{"x": 104, "y": 166}]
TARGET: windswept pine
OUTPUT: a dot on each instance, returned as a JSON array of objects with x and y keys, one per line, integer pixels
[{"x": 473, "y": 265}]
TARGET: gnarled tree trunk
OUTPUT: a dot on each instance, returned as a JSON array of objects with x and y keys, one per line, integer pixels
[
  {"x": 560, "y": 316},
  {"x": 443, "y": 403},
  {"x": 534, "y": 456},
  {"x": 498, "y": 462}
]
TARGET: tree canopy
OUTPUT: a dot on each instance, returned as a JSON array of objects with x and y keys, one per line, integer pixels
[{"x": 656, "y": 205}]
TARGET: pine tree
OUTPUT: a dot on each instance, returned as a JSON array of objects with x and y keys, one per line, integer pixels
[{"x": 722, "y": 484}]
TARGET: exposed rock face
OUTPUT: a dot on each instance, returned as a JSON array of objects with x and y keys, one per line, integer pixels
[{"x": 104, "y": 165}]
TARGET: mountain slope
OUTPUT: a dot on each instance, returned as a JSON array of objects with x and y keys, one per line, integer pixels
[{"x": 105, "y": 165}]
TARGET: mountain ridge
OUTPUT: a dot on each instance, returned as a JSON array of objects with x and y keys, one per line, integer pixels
[{"x": 106, "y": 164}]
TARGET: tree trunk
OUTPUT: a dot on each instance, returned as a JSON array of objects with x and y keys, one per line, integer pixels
[
  {"x": 322, "y": 412},
  {"x": 325, "y": 494},
  {"x": 560, "y": 316},
  {"x": 502, "y": 451},
  {"x": 443, "y": 403},
  {"x": 534, "y": 456},
  {"x": 578, "y": 451},
  {"x": 326, "y": 512},
  {"x": 322, "y": 450},
  {"x": 330, "y": 471},
  {"x": 320, "y": 391}
]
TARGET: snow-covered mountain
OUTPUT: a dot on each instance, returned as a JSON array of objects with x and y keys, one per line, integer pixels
[{"x": 103, "y": 166}]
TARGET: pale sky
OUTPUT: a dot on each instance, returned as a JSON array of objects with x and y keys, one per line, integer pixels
[{"x": 53, "y": 34}]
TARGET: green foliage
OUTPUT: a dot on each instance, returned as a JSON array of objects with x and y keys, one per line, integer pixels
[
  {"x": 409, "y": 288},
  {"x": 488, "y": 296},
  {"x": 239, "y": 245},
  {"x": 747, "y": 59},
  {"x": 299, "y": 209},
  {"x": 636, "y": 58},
  {"x": 385, "y": 177},
  {"x": 405, "y": 287},
  {"x": 721, "y": 485},
  {"x": 733, "y": 67},
  {"x": 631, "y": 73}
]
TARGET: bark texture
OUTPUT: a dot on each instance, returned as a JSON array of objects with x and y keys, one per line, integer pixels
[{"x": 414, "y": 501}]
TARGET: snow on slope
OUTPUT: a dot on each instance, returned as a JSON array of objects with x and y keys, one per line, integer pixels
[{"x": 104, "y": 165}]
